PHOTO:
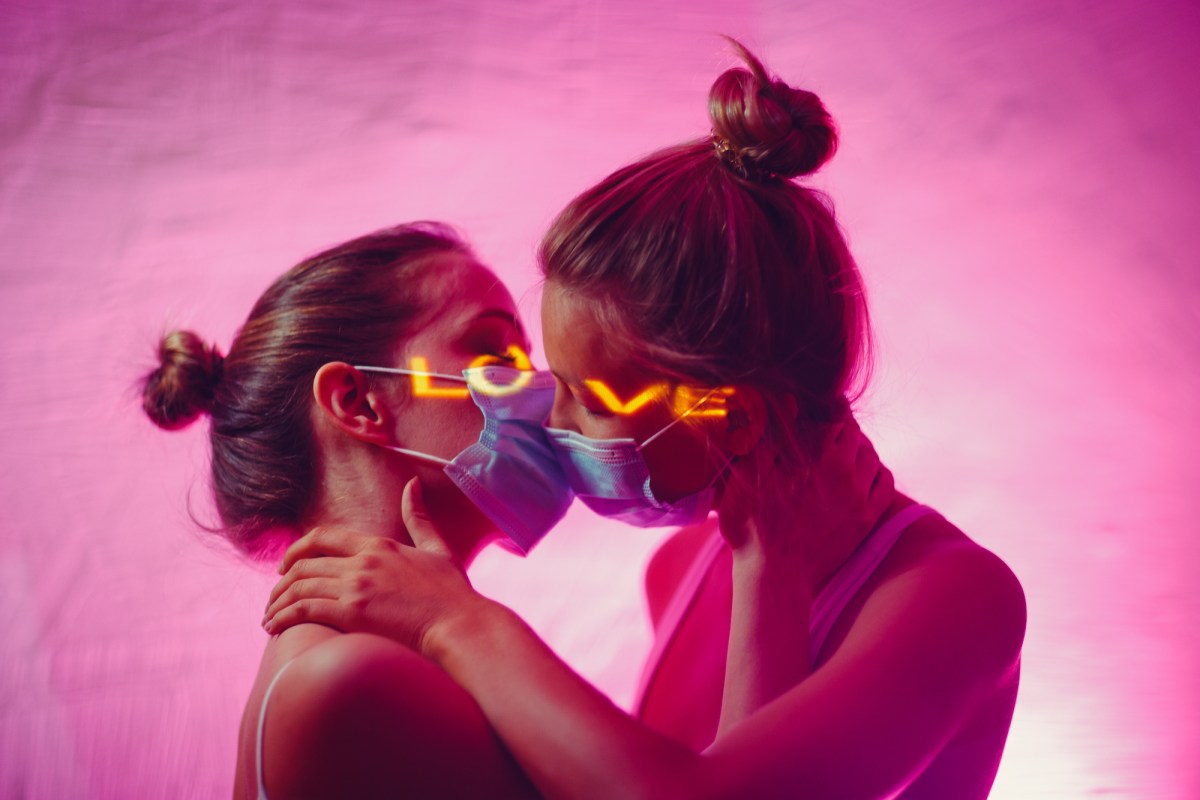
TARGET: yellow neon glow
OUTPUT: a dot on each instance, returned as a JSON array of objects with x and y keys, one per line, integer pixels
[
  {"x": 688, "y": 397},
  {"x": 606, "y": 396},
  {"x": 689, "y": 401},
  {"x": 422, "y": 387},
  {"x": 518, "y": 358}
]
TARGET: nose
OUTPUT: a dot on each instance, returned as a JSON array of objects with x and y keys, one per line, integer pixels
[{"x": 559, "y": 412}]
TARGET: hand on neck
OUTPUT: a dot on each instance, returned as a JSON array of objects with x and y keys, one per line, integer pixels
[{"x": 798, "y": 529}]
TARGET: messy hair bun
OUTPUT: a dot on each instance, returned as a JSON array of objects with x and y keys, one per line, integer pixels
[
  {"x": 765, "y": 126},
  {"x": 707, "y": 265},
  {"x": 182, "y": 386}
]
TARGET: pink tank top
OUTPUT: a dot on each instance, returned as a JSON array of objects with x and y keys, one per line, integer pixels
[{"x": 827, "y": 606}]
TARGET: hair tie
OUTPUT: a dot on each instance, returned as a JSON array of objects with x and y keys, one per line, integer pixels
[
  {"x": 732, "y": 158},
  {"x": 729, "y": 154}
]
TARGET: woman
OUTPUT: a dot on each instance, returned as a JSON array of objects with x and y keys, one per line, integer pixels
[
  {"x": 345, "y": 385},
  {"x": 299, "y": 438},
  {"x": 796, "y": 662}
]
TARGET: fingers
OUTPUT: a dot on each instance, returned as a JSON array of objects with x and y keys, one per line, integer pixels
[
  {"x": 320, "y": 542},
  {"x": 420, "y": 527},
  {"x": 305, "y": 568},
  {"x": 318, "y": 610},
  {"x": 298, "y": 591}
]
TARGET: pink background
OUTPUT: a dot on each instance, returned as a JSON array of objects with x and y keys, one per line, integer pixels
[{"x": 1018, "y": 180}]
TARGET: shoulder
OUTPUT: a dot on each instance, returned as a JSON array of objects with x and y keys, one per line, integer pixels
[
  {"x": 945, "y": 592},
  {"x": 344, "y": 710}
]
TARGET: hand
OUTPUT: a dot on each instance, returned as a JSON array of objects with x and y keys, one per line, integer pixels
[
  {"x": 353, "y": 582},
  {"x": 847, "y": 491},
  {"x": 817, "y": 520}
]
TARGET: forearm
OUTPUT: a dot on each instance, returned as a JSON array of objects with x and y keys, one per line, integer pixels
[
  {"x": 768, "y": 640},
  {"x": 570, "y": 739}
]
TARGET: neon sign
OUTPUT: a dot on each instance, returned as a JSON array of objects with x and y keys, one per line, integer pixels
[
  {"x": 684, "y": 400},
  {"x": 423, "y": 386}
]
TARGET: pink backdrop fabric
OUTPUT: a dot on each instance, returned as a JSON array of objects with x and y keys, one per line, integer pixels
[{"x": 1018, "y": 181}]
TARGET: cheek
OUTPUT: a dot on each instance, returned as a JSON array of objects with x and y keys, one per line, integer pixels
[
  {"x": 440, "y": 426},
  {"x": 679, "y": 463}
]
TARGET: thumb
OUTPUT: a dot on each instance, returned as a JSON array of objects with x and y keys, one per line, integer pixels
[{"x": 424, "y": 533}]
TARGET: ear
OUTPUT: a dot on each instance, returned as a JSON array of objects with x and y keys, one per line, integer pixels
[
  {"x": 344, "y": 397},
  {"x": 745, "y": 419}
]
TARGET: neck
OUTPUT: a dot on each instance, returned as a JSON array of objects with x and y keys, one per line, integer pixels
[
  {"x": 780, "y": 536},
  {"x": 363, "y": 504},
  {"x": 366, "y": 498}
]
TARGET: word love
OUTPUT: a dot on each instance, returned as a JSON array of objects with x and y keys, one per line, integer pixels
[
  {"x": 687, "y": 400},
  {"x": 684, "y": 400}
]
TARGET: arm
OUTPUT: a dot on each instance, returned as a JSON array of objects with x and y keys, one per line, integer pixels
[
  {"x": 781, "y": 557},
  {"x": 927, "y": 644},
  {"x": 861, "y": 726}
]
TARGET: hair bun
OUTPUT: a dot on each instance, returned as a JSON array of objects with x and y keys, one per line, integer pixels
[
  {"x": 183, "y": 385},
  {"x": 769, "y": 126}
]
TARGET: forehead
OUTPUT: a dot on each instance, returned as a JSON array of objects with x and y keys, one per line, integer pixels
[
  {"x": 459, "y": 276},
  {"x": 579, "y": 346},
  {"x": 458, "y": 287}
]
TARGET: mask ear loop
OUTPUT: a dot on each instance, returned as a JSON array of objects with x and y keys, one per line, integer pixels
[
  {"x": 678, "y": 419},
  {"x": 417, "y": 454},
  {"x": 399, "y": 371},
  {"x": 724, "y": 471}
]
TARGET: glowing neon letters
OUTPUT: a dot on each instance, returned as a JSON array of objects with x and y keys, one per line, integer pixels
[{"x": 686, "y": 400}]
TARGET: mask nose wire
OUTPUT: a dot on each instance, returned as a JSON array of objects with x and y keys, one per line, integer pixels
[{"x": 673, "y": 422}]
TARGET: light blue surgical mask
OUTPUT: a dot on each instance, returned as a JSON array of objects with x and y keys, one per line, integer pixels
[
  {"x": 610, "y": 476},
  {"x": 511, "y": 474}
]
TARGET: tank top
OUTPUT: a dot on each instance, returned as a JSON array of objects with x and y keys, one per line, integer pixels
[{"x": 826, "y": 608}]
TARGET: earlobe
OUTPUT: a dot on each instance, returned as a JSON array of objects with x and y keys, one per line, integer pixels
[{"x": 344, "y": 397}]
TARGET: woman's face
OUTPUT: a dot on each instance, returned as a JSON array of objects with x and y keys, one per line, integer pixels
[
  {"x": 473, "y": 318},
  {"x": 598, "y": 390}
]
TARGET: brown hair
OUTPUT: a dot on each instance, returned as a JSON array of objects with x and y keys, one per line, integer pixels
[
  {"x": 712, "y": 265},
  {"x": 351, "y": 303}
]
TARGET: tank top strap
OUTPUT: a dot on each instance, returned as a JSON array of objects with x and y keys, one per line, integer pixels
[
  {"x": 262, "y": 720},
  {"x": 827, "y": 606},
  {"x": 850, "y": 577}
]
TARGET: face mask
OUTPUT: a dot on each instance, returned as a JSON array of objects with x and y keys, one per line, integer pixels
[
  {"x": 610, "y": 476},
  {"x": 510, "y": 474}
]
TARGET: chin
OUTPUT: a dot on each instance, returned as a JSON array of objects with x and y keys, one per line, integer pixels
[{"x": 462, "y": 525}]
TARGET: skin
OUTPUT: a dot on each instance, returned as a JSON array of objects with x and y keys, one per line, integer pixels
[
  {"x": 331, "y": 720},
  {"x": 925, "y": 657}
]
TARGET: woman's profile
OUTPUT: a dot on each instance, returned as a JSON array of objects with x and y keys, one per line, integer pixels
[
  {"x": 869, "y": 661},
  {"x": 299, "y": 437}
]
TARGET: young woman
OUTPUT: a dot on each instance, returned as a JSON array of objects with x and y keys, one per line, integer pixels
[
  {"x": 299, "y": 438},
  {"x": 706, "y": 325},
  {"x": 345, "y": 384}
]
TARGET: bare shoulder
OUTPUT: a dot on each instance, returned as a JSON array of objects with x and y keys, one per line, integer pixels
[
  {"x": 960, "y": 592},
  {"x": 360, "y": 715}
]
